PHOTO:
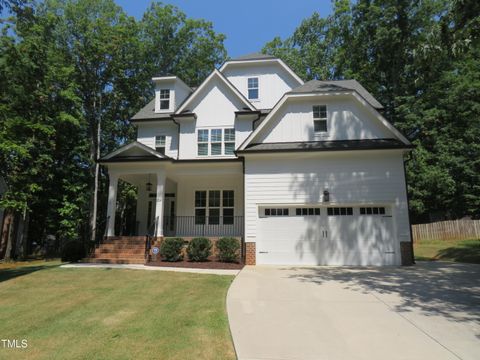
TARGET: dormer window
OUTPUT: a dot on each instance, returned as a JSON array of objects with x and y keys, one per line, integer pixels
[
  {"x": 253, "y": 88},
  {"x": 160, "y": 141},
  {"x": 164, "y": 99},
  {"x": 320, "y": 119}
]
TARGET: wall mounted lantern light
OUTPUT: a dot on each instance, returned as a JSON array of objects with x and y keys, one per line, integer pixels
[
  {"x": 148, "y": 185},
  {"x": 326, "y": 195}
]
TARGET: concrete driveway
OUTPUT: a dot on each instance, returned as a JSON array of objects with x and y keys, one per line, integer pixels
[{"x": 428, "y": 311}]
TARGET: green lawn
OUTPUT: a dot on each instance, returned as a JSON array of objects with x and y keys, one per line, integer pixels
[
  {"x": 112, "y": 313},
  {"x": 452, "y": 250}
]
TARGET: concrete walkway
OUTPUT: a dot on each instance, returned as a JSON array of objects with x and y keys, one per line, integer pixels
[
  {"x": 153, "y": 268},
  {"x": 429, "y": 311}
]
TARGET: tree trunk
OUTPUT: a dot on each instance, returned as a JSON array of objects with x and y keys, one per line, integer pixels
[
  {"x": 22, "y": 235},
  {"x": 94, "y": 155},
  {"x": 9, "y": 253}
]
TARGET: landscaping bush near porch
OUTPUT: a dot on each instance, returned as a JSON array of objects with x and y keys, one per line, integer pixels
[
  {"x": 199, "y": 249},
  {"x": 228, "y": 249},
  {"x": 171, "y": 249}
]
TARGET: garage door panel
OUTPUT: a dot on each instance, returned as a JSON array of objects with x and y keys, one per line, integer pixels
[{"x": 325, "y": 240}]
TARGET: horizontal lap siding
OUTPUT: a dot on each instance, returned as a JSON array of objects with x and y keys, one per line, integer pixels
[{"x": 354, "y": 178}]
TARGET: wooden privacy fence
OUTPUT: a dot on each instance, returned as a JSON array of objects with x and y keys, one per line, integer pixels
[{"x": 447, "y": 230}]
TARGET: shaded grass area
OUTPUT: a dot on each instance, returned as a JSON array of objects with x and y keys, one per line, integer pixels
[
  {"x": 112, "y": 313},
  {"x": 467, "y": 251}
]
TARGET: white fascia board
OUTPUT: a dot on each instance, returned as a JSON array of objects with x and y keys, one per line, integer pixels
[
  {"x": 260, "y": 61},
  {"x": 215, "y": 72}
]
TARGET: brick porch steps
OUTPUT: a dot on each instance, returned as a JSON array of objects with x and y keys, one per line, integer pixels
[{"x": 119, "y": 250}]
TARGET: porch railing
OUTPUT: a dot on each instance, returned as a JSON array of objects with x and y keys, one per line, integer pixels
[{"x": 187, "y": 226}]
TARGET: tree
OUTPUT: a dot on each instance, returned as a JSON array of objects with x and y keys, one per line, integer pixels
[
  {"x": 407, "y": 53},
  {"x": 173, "y": 44},
  {"x": 38, "y": 107}
]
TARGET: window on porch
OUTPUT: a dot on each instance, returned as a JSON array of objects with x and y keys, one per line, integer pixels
[{"x": 214, "y": 207}]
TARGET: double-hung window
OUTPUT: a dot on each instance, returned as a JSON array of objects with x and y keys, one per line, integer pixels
[
  {"x": 320, "y": 119},
  {"x": 214, "y": 207},
  {"x": 229, "y": 139},
  {"x": 215, "y": 142},
  {"x": 164, "y": 99},
  {"x": 252, "y": 88},
  {"x": 160, "y": 141},
  {"x": 202, "y": 142}
]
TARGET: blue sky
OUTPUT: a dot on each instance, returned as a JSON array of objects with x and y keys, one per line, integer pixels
[{"x": 248, "y": 24}]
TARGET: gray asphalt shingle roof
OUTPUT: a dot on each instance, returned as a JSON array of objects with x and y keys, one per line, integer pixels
[
  {"x": 253, "y": 56},
  {"x": 364, "y": 144},
  {"x": 148, "y": 113},
  {"x": 337, "y": 85}
]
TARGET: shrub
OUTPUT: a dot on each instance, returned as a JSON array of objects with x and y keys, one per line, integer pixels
[
  {"x": 228, "y": 248},
  {"x": 199, "y": 249},
  {"x": 171, "y": 249},
  {"x": 73, "y": 251}
]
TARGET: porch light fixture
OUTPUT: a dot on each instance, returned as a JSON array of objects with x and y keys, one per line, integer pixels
[
  {"x": 326, "y": 195},
  {"x": 148, "y": 185}
]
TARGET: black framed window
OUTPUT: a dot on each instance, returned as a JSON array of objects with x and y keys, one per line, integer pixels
[
  {"x": 339, "y": 211},
  {"x": 276, "y": 212},
  {"x": 307, "y": 211},
  {"x": 373, "y": 210},
  {"x": 214, "y": 207}
]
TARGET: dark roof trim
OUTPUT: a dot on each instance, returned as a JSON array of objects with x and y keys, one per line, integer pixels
[
  {"x": 184, "y": 115},
  {"x": 206, "y": 160},
  {"x": 151, "y": 119},
  {"x": 247, "y": 112},
  {"x": 325, "y": 146}
]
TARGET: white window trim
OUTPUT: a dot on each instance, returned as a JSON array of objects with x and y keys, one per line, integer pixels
[{"x": 209, "y": 142}]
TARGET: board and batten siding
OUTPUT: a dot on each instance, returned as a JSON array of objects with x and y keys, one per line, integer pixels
[
  {"x": 352, "y": 178},
  {"x": 273, "y": 82},
  {"x": 346, "y": 120},
  {"x": 146, "y": 135},
  {"x": 215, "y": 108}
]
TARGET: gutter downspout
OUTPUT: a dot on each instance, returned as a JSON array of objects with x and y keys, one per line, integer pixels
[
  {"x": 408, "y": 206},
  {"x": 178, "y": 136}
]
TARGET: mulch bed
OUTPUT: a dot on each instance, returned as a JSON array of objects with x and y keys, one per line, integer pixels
[{"x": 209, "y": 264}]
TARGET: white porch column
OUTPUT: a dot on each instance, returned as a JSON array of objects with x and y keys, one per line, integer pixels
[
  {"x": 112, "y": 203},
  {"x": 160, "y": 202}
]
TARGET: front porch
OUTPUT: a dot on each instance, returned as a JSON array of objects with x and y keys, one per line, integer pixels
[{"x": 182, "y": 198}]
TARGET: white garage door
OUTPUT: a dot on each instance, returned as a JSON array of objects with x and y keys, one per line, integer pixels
[{"x": 337, "y": 235}]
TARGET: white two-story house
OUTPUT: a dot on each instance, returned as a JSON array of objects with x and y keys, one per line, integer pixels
[{"x": 305, "y": 173}]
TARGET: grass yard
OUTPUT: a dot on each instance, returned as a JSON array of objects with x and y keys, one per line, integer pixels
[
  {"x": 467, "y": 251},
  {"x": 112, "y": 313}
]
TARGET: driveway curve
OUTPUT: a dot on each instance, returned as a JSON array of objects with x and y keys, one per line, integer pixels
[{"x": 428, "y": 311}]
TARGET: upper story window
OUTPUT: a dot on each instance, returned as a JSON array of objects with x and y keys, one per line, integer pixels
[
  {"x": 215, "y": 142},
  {"x": 164, "y": 99},
  {"x": 320, "y": 118},
  {"x": 160, "y": 141},
  {"x": 253, "y": 88}
]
